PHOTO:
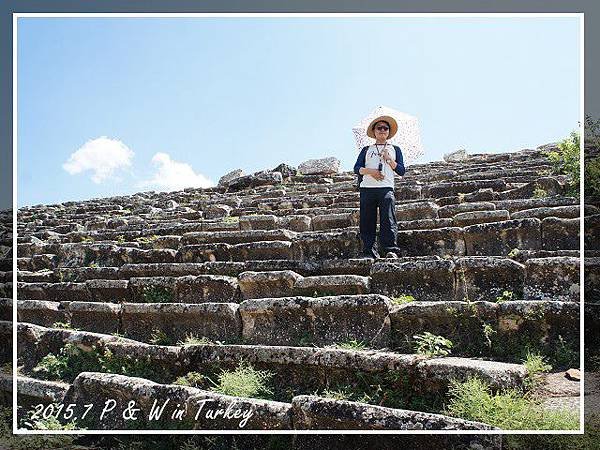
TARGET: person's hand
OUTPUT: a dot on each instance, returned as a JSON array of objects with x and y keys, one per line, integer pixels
[{"x": 376, "y": 174}]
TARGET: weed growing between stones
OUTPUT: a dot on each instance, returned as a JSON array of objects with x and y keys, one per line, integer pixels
[
  {"x": 538, "y": 192},
  {"x": 352, "y": 345},
  {"x": 244, "y": 381},
  {"x": 506, "y": 296},
  {"x": 159, "y": 337},
  {"x": 402, "y": 299},
  {"x": 488, "y": 332},
  {"x": 231, "y": 219},
  {"x": 564, "y": 356},
  {"x": 592, "y": 178},
  {"x": 64, "y": 326},
  {"x": 192, "y": 379},
  {"x": 431, "y": 345},
  {"x": 535, "y": 364},
  {"x": 192, "y": 339},
  {"x": 509, "y": 409},
  {"x": 120, "y": 239},
  {"x": 514, "y": 253},
  {"x": 71, "y": 361},
  {"x": 157, "y": 294},
  {"x": 565, "y": 161},
  {"x": 31, "y": 442},
  {"x": 146, "y": 240}
]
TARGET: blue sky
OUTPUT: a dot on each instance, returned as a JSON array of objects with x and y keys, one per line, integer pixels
[{"x": 113, "y": 106}]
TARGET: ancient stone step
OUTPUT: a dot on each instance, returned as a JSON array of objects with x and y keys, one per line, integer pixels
[{"x": 501, "y": 330}]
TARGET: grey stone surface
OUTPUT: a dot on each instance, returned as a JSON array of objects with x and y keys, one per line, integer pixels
[{"x": 323, "y": 166}]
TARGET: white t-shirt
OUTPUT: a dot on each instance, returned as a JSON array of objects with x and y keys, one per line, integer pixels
[{"x": 372, "y": 160}]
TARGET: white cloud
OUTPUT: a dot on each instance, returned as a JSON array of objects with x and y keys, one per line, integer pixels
[
  {"x": 173, "y": 175},
  {"x": 102, "y": 156}
]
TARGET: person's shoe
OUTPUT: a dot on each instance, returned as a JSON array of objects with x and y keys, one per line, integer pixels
[
  {"x": 396, "y": 250},
  {"x": 371, "y": 254},
  {"x": 391, "y": 255}
]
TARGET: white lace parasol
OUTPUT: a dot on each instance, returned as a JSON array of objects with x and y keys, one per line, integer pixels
[{"x": 408, "y": 137}]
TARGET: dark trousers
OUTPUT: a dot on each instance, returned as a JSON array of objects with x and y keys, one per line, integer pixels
[{"x": 370, "y": 200}]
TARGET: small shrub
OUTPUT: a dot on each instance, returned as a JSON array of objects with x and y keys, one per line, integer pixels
[
  {"x": 538, "y": 192},
  {"x": 592, "y": 178},
  {"x": 535, "y": 364},
  {"x": 431, "y": 345},
  {"x": 339, "y": 394},
  {"x": 159, "y": 337},
  {"x": 157, "y": 294},
  {"x": 565, "y": 356},
  {"x": 192, "y": 339},
  {"x": 70, "y": 361},
  {"x": 64, "y": 326},
  {"x": 352, "y": 345},
  {"x": 244, "y": 381},
  {"x": 506, "y": 296},
  {"x": 402, "y": 299},
  {"x": 509, "y": 410},
  {"x": 514, "y": 253},
  {"x": 193, "y": 379},
  {"x": 565, "y": 161},
  {"x": 488, "y": 332}
]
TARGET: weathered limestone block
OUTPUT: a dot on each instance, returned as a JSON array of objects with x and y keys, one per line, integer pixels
[
  {"x": 435, "y": 373},
  {"x": 95, "y": 317},
  {"x": 198, "y": 253},
  {"x": 236, "y": 237},
  {"x": 97, "y": 388},
  {"x": 555, "y": 278},
  {"x": 529, "y": 203},
  {"x": 416, "y": 211},
  {"x": 136, "y": 255},
  {"x": 67, "y": 291},
  {"x": 113, "y": 291},
  {"x": 312, "y": 412},
  {"x": 456, "y": 156},
  {"x": 41, "y": 312},
  {"x": 460, "y": 322},
  {"x": 592, "y": 278},
  {"x": 323, "y": 166},
  {"x": 327, "y": 245},
  {"x": 31, "y": 291},
  {"x": 332, "y": 285},
  {"x": 453, "y": 210},
  {"x": 319, "y": 321},
  {"x": 406, "y": 191},
  {"x": 474, "y": 217},
  {"x": 564, "y": 212},
  {"x": 256, "y": 179},
  {"x": 44, "y": 261},
  {"x": 426, "y": 279},
  {"x": 591, "y": 228},
  {"x": 33, "y": 392},
  {"x": 424, "y": 224},
  {"x": 551, "y": 326},
  {"x": 484, "y": 278},
  {"x": 216, "y": 321},
  {"x": 206, "y": 288},
  {"x": 216, "y": 211},
  {"x": 361, "y": 266},
  {"x": 259, "y": 222},
  {"x": 263, "y": 250},
  {"x": 439, "y": 241},
  {"x": 277, "y": 283},
  {"x": 332, "y": 221},
  {"x": 481, "y": 195},
  {"x": 500, "y": 238},
  {"x": 230, "y": 176},
  {"x": 558, "y": 233},
  {"x": 296, "y": 223},
  {"x": 82, "y": 274},
  {"x": 438, "y": 190}
]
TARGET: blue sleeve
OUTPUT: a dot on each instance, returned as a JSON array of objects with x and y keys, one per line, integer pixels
[
  {"x": 360, "y": 162},
  {"x": 400, "y": 170}
]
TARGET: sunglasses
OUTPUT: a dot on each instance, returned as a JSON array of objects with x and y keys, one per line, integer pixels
[{"x": 382, "y": 128}]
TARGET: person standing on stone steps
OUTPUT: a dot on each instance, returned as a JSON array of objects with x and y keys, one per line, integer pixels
[{"x": 375, "y": 167}]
